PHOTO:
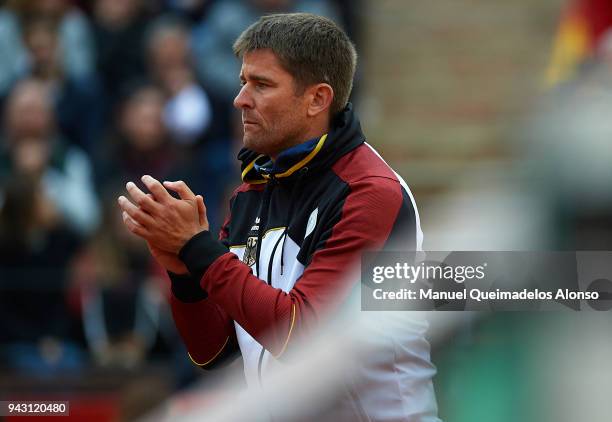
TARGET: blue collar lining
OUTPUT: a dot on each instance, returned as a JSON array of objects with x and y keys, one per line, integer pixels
[{"x": 287, "y": 158}]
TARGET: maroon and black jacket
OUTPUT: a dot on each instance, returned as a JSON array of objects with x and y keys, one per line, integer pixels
[{"x": 296, "y": 227}]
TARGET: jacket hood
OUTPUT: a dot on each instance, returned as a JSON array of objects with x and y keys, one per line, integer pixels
[{"x": 316, "y": 154}]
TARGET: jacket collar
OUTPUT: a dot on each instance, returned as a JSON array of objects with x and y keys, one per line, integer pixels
[{"x": 315, "y": 154}]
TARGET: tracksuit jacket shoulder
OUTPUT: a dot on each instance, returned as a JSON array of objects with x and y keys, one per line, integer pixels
[{"x": 296, "y": 225}]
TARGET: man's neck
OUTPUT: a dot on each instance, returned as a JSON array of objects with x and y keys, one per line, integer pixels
[
  {"x": 273, "y": 157},
  {"x": 312, "y": 133}
]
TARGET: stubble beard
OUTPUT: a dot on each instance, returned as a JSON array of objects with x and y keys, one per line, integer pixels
[
  {"x": 263, "y": 143},
  {"x": 271, "y": 142}
]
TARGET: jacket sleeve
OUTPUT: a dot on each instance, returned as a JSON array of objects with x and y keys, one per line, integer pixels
[
  {"x": 273, "y": 317},
  {"x": 206, "y": 328}
]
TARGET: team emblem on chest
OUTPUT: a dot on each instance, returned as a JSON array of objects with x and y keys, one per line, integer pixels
[{"x": 250, "y": 252}]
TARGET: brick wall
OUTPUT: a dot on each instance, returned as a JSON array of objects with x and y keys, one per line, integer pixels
[{"x": 444, "y": 81}]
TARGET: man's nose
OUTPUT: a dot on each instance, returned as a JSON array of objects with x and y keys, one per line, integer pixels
[{"x": 243, "y": 99}]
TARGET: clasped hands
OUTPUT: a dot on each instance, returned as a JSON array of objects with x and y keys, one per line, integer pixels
[{"x": 165, "y": 222}]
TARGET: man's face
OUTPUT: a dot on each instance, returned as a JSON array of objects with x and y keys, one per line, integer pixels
[
  {"x": 142, "y": 121},
  {"x": 274, "y": 115},
  {"x": 29, "y": 113}
]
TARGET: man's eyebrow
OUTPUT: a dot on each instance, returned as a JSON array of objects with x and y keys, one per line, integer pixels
[{"x": 258, "y": 78}]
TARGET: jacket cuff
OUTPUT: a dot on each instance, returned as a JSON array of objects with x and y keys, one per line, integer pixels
[
  {"x": 186, "y": 288},
  {"x": 200, "y": 252}
]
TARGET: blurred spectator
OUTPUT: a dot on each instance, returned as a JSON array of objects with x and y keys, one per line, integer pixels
[
  {"x": 187, "y": 111},
  {"x": 214, "y": 37},
  {"x": 350, "y": 11},
  {"x": 36, "y": 249},
  {"x": 75, "y": 38},
  {"x": 121, "y": 298},
  {"x": 31, "y": 146},
  {"x": 119, "y": 27},
  {"x": 188, "y": 9},
  {"x": 76, "y": 99},
  {"x": 194, "y": 121},
  {"x": 140, "y": 145}
]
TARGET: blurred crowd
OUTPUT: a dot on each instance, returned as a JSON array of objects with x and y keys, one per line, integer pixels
[{"x": 94, "y": 94}]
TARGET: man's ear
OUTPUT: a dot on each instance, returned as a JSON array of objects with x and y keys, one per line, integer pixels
[{"x": 321, "y": 97}]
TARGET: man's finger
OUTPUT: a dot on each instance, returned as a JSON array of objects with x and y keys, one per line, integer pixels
[
  {"x": 127, "y": 219},
  {"x": 133, "y": 226},
  {"x": 159, "y": 192},
  {"x": 142, "y": 200},
  {"x": 137, "y": 214},
  {"x": 181, "y": 188}
]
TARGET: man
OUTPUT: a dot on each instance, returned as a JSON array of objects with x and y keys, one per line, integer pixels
[{"x": 314, "y": 197}]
